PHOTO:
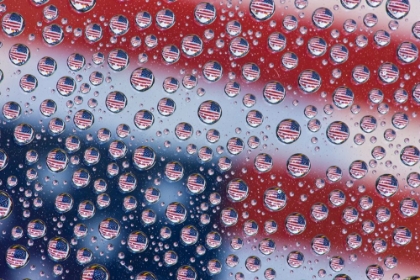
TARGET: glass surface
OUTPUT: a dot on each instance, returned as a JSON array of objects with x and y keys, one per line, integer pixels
[{"x": 188, "y": 140}]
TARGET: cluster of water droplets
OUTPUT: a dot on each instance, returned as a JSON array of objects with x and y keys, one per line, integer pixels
[{"x": 126, "y": 162}]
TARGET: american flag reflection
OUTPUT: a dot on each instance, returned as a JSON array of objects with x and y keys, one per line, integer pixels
[
  {"x": 237, "y": 190},
  {"x": 109, "y": 228},
  {"x": 94, "y": 273},
  {"x": 402, "y": 236},
  {"x": 183, "y": 131},
  {"x": 152, "y": 195},
  {"x": 233, "y": 28},
  {"x": 17, "y": 256},
  {"x": 254, "y": 118},
  {"x": 148, "y": 217},
  {"x": 174, "y": 171},
  {"x": 298, "y": 165},
  {"x": 361, "y": 73},
  {"x": 13, "y": 24},
  {"x": 144, "y": 157},
  {"x": 46, "y": 66},
  {"x": 235, "y": 145},
  {"x": 83, "y": 119},
  {"x": 270, "y": 226},
  {"x": 4, "y": 159},
  {"x": 320, "y": 244},
  {"x": 213, "y": 239},
  {"x": 274, "y": 199},
  {"x": 410, "y": 155},
  {"x": 309, "y": 80},
  {"x": 93, "y": 32},
  {"x": 407, "y": 52},
  {"x": 379, "y": 245},
  {"x": 137, "y": 241},
  {"x": 251, "y": 72},
  {"x": 387, "y": 185},
  {"x": 189, "y": 81},
  {"x": 196, "y": 183},
  {"x": 354, "y": 241},
  {"x": 48, "y": 107},
  {"x": 250, "y": 227},
  {"x": 368, "y": 123},
  {"x": 295, "y": 223},
  {"x": 92, "y": 155},
  {"x": 192, "y": 45},
  {"x": 170, "y": 84},
  {"x": 262, "y": 9},
  {"x": 263, "y": 162},
  {"x": 170, "y": 257},
  {"x": 337, "y": 197},
  {"x": 165, "y": 18},
  {"x": 322, "y": 17},
  {"x": 142, "y": 79},
  {"x": 81, "y": 177},
  {"x": 53, "y": 34},
  {"x": 317, "y": 46},
  {"x": 409, "y": 207},
  {"x": 290, "y": 22},
  {"x": 66, "y": 86},
  {"x": 288, "y": 130},
  {"x": 253, "y": 263},
  {"x": 212, "y": 70},
  {"x": 295, "y": 259},
  {"x": 57, "y": 160},
  {"x": 374, "y": 272},
  {"x": 205, "y": 13},
  {"x": 366, "y": 202},
  {"x": 358, "y": 169},
  {"x": 86, "y": 209},
  {"x": 189, "y": 235},
  {"x": 175, "y": 212},
  {"x": 143, "y": 19},
  {"x": 397, "y": 8},
  {"x": 118, "y": 59},
  {"x": 343, "y": 97},
  {"x": 166, "y": 106},
  {"x": 229, "y": 216},
  {"x": 58, "y": 248},
  {"x": 28, "y": 83},
  {"x": 98, "y": 58},
  {"x": 267, "y": 246},
  {"x": 19, "y": 54},
  {"x": 64, "y": 202},
  {"x": 350, "y": 25},
  {"x": 336, "y": 263},
  {"x": 214, "y": 266},
  {"x": 274, "y": 92},
  {"x": 11, "y": 110},
  {"x": 388, "y": 72},
  {"x": 319, "y": 211},
  {"x": 186, "y": 273},
  {"x": 23, "y": 133},
  {"x": 276, "y": 41},
  {"x": 205, "y": 154},
  {"x": 84, "y": 255},
  {"x": 119, "y": 24},
  {"x": 72, "y": 143},
  {"x": 383, "y": 214},
  {"x": 350, "y": 214},
  {"x": 75, "y": 61},
  {"x": 170, "y": 53},
  {"x": 368, "y": 226},
  {"x": 239, "y": 47}
]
